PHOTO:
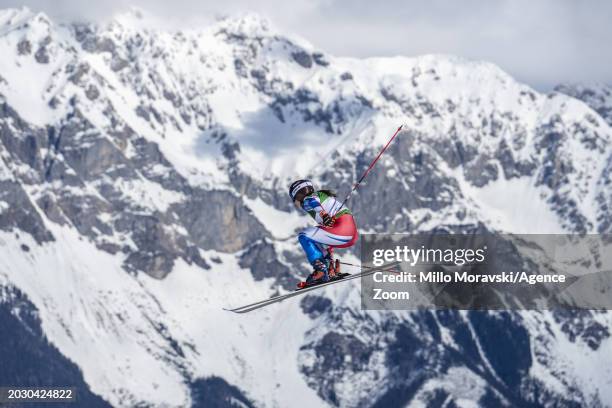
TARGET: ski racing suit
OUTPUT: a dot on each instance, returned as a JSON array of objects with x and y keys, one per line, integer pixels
[{"x": 316, "y": 240}]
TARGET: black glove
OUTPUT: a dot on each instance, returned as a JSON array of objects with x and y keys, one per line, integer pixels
[{"x": 328, "y": 220}]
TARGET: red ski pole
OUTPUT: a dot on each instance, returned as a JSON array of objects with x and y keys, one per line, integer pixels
[{"x": 370, "y": 167}]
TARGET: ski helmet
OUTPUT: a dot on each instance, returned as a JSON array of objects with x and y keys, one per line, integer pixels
[{"x": 299, "y": 185}]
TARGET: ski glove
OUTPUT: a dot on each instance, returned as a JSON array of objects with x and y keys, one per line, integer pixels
[{"x": 328, "y": 220}]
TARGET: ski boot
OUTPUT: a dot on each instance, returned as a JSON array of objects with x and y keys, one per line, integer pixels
[
  {"x": 333, "y": 266},
  {"x": 319, "y": 275}
]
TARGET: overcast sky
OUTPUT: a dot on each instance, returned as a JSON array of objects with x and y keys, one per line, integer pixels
[{"x": 541, "y": 42}]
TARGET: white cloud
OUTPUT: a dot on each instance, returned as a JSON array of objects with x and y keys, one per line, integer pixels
[{"x": 541, "y": 42}]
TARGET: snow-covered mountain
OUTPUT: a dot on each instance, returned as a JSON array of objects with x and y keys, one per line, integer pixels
[{"x": 144, "y": 175}]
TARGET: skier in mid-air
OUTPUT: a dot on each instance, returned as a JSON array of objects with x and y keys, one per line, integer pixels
[{"x": 336, "y": 229}]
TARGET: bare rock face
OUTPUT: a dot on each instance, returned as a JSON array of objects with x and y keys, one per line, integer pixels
[
  {"x": 18, "y": 212},
  {"x": 302, "y": 58},
  {"x": 219, "y": 220},
  {"x": 24, "y": 47},
  {"x": 89, "y": 171},
  {"x": 261, "y": 258}
]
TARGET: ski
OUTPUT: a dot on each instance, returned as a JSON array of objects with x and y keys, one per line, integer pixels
[{"x": 279, "y": 298}]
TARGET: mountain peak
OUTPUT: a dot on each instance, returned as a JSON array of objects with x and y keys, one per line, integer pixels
[
  {"x": 135, "y": 18},
  {"x": 10, "y": 16},
  {"x": 13, "y": 18},
  {"x": 247, "y": 24}
]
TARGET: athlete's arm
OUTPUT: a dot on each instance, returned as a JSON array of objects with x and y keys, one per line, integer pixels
[{"x": 312, "y": 205}]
